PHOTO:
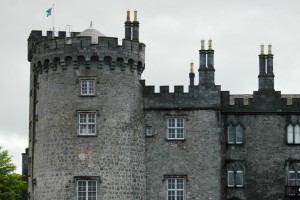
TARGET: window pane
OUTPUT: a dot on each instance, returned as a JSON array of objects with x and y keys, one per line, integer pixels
[
  {"x": 179, "y": 195},
  {"x": 171, "y": 133},
  {"x": 298, "y": 178},
  {"x": 291, "y": 178},
  {"x": 82, "y": 190},
  {"x": 180, "y": 122},
  {"x": 82, "y": 118},
  {"x": 179, "y": 183},
  {"x": 239, "y": 179},
  {"x": 239, "y": 134},
  {"x": 83, "y": 87},
  {"x": 290, "y": 135},
  {"x": 291, "y": 191},
  {"x": 91, "y": 87},
  {"x": 230, "y": 178},
  {"x": 231, "y": 134},
  {"x": 148, "y": 130},
  {"x": 171, "y": 195},
  {"x": 297, "y": 134},
  {"x": 171, "y": 183}
]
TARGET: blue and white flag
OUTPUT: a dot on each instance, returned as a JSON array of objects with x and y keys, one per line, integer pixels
[{"x": 49, "y": 11}]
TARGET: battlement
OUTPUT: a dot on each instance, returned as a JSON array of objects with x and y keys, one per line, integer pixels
[
  {"x": 198, "y": 97},
  {"x": 263, "y": 101},
  {"x": 48, "y": 52}
]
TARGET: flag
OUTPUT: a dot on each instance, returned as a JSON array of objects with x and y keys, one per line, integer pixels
[{"x": 49, "y": 11}]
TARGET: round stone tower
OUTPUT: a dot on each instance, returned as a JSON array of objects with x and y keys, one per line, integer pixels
[{"x": 86, "y": 138}]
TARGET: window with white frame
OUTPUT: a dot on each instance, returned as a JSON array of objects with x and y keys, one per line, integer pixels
[
  {"x": 87, "y": 87},
  {"x": 293, "y": 178},
  {"x": 87, "y": 123},
  {"x": 235, "y": 134},
  {"x": 235, "y": 174},
  {"x": 86, "y": 189},
  {"x": 293, "y": 134},
  {"x": 175, "y": 189},
  {"x": 149, "y": 131},
  {"x": 175, "y": 128}
]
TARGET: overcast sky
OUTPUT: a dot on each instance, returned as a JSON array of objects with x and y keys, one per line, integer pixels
[{"x": 171, "y": 30}]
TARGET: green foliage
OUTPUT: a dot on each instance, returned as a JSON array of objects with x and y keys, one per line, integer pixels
[{"x": 11, "y": 184}]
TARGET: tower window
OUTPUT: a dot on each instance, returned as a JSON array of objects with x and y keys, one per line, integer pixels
[
  {"x": 87, "y": 123},
  {"x": 293, "y": 134},
  {"x": 86, "y": 189},
  {"x": 235, "y": 174},
  {"x": 175, "y": 189},
  {"x": 235, "y": 134},
  {"x": 149, "y": 131},
  {"x": 87, "y": 87},
  {"x": 175, "y": 128}
]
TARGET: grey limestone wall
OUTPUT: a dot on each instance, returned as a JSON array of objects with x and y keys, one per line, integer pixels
[
  {"x": 115, "y": 156},
  {"x": 198, "y": 97},
  {"x": 197, "y": 158},
  {"x": 265, "y": 153}
]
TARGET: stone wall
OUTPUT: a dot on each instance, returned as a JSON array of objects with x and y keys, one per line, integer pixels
[
  {"x": 58, "y": 155},
  {"x": 265, "y": 153},
  {"x": 196, "y": 158}
]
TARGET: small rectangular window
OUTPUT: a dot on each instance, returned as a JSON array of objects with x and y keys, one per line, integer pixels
[
  {"x": 175, "y": 127},
  {"x": 87, "y": 123},
  {"x": 175, "y": 189},
  {"x": 87, "y": 87},
  {"x": 86, "y": 189},
  {"x": 149, "y": 131}
]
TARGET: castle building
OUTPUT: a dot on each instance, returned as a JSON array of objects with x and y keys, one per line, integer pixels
[{"x": 97, "y": 132}]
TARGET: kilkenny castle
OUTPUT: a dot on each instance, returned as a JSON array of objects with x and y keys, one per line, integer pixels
[{"x": 97, "y": 131}]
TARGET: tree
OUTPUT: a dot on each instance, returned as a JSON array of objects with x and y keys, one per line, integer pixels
[{"x": 11, "y": 184}]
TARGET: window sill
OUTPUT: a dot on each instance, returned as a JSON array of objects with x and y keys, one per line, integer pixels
[
  {"x": 175, "y": 140},
  {"x": 235, "y": 187},
  {"x": 92, "y": 95},
  {"x": 237, "y": 144},
  {"x": 293, "y": 144},
  {"x": 149, "y": 136},
  {"x": 87, "y": 136}
]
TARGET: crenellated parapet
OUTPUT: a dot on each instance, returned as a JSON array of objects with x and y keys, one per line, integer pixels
[
  {"x": 50, "y": 53},
  {"x": 263, "y": 101},
  {"x": 198, "y": 97}
]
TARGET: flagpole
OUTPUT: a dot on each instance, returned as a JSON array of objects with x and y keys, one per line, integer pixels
[{"x": 53, "y": 20}]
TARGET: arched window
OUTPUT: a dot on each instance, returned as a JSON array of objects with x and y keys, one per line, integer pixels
[
  {"x": 239, "y": 134},
  {"x": 120, "y": 62},
  {"x": 107, "y": 61},
  {"x": 140, "y": 67},
  {"x": 56, "y": 62},
  {"x": 68, "y": 61},
  {"x": 235, "y": 174},
  {"x": 235, "y": 134},
  {"x": 94, "y": 61},
  {"x": 46, "y": 64},
  {"x": 130, "y": 64},
  {"x": 81, "y": 61},
  {"x": 39, "y": 66},
  {"x": 293, "y": 134},
  {"x": 293, "y": 182}
]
